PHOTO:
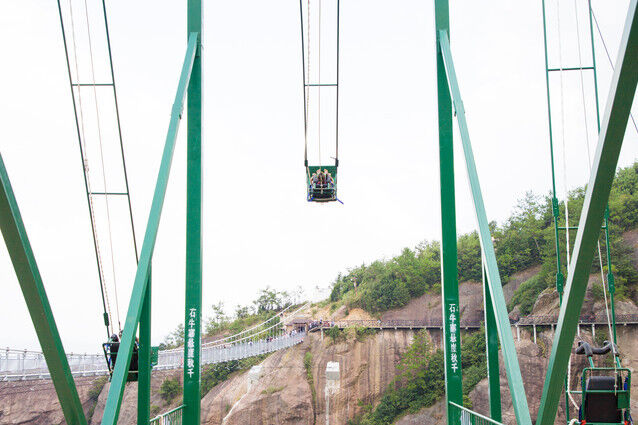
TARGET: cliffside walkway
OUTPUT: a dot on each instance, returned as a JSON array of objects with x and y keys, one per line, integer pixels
[
  {"x": 264, "y": 338},
  {"x": 270, "y": 335},
  {"x": 23, "y": 365},
  {"x": 436, "y": 323}
]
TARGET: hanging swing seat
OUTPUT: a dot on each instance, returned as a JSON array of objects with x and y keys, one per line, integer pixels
[
  {"x": 605, "y": 390},
  {"x": 322, "y": 191},
  {"x": 110, "y": 353}
]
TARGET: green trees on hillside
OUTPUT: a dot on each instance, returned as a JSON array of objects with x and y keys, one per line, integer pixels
[
  {"x": 524, "y": 240},
  {"x": 420, "y": 380}
]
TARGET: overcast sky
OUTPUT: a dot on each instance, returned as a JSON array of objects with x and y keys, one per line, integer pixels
[{"x": 258, "y": 228}]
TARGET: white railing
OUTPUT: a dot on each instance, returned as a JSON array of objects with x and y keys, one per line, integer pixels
[
  {"x": 265, "y": 337},
  {"x": 21, "y": 365},
  {"x": 172, "y": 417}
]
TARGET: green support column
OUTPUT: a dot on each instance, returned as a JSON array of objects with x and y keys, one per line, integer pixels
[
  {"x": 26, "y": 268},
  {"x": 450, "y": 287},
  {"x": 118, "y": 381},
  {"x": 491, "y": 347},
  {"x": 193, "y": 307},
  {"x": 510, "y": 358},
  {"x": 144, "y": 360},
  {"x": 614, "y": 125}
]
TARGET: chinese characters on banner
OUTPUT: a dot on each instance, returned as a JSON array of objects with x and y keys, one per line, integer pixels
[
  {"x": 190, "y": 342},
  {"x": 453, "y": 336}
]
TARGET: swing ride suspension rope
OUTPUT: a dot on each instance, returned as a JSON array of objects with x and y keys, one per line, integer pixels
[
  {"x": 119, "y": 132},
  {"x": 610, "y": 318},
  {"x": 611, "y": 63},
  {"x": 305, "y": 89},
  {"x": 307, "y": 77},
  {"x": 100, "y": 144},
  {"x": 337, "y": 88},
  {"x": 589, "y": 162},
  {"x": 319, "y": 82},
  {"x": 81, "y": 131},
  {"x": 79, "y": 117},
  {"x": 568, "y": 393}
]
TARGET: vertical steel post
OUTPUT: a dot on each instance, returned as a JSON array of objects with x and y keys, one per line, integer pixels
[
  {"x": 510, "y": 359},
  {"x": 144, "y": 360},
  {"x": 26, "y": 268},
  {"x": 450, "y": 287},
  {"x": 491, "y": 348},
  {"x": 118, "y": 381},
  {"x": 193, "y": 298},
  {"x": 560, "y": 278},
  {"x": 614, "y": 125}
]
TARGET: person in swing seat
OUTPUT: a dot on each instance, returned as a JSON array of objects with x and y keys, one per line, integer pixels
[
  {"x": 328, "y": 178},
  {"x": 114, "y": 346}
]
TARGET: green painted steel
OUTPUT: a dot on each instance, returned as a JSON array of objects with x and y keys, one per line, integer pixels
[
  {"x": 463, "y": 415},
  {"x": 193, "y": 295},
  {"x": 144, "y": 360},
  {"x": 560, "y": 278},
  {"x": 517, "y": 391},
  {"x": 113, "y": 402},
  {"x": 611, "y": 136},
  {"x": 26, "y": 268},
  {"x": 172, "y": 417},
  {"x": 491, "y": 348},
  {"x": 450, "y": 285},
  {"x": 610, "y": 275},
  {"x": 84, "y": 171}
]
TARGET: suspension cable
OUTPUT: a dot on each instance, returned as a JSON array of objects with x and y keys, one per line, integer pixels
[
  {"x": 105, "y": 299},
  {"x": 562, "y": 127},
  {"x": 589, "y": 161},
  {"x": 119, "y": 132},
  {"x": 319, "y": 82},
  {"x": 100, "y": 144},
  {"x": 611, "y": 63},
  {"x": 305, "y": 88}
]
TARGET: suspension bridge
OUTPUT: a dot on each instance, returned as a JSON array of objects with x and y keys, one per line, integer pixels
[
  {"x": 261, "y": 339},
  {"x": 321, "y": 180}
]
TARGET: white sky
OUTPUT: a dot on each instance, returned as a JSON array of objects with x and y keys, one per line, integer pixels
[{"x": 267, "y": 234}]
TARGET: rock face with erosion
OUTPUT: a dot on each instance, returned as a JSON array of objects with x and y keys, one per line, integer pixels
[
  {"x": 35, "y": 402},
  {"x": 284, "y": 395}
]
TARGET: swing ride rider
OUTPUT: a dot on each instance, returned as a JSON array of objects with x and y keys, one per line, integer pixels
[
  {"x": 329, "y": 182},
  {"x": 113, "y": 348}
]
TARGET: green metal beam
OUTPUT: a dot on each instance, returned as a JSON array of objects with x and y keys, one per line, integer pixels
[
  {"x": 621, "y": 95},
  {"x": 449, "y": 272},
  {"x": 193, "y": 295},
  {"x": 114, "y": 400},
  {"x": 491, "y": 347},
  {"x": 144, "y": 360},
  {"x": 510, "y": 358},
  {"x": 26, "y": 268}
]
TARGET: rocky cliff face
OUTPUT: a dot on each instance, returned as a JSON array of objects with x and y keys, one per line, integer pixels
[
  {"x": 36, "y": 403},
  {"x": 283, "y": 394},
  {"x": 128, "y": 411}
]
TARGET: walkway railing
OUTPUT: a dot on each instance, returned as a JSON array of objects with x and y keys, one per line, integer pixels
[
  {"x": 598, "y": 319},
  {"x": 269, "y": 337},
  {"x": 548, "y": 320},
  {"x": 19, "y": 365},
  {"x": 172, "y": 417},
  {"x": 464, "y": 416}
]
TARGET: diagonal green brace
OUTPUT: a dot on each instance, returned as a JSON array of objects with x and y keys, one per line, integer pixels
[
  {"x": 116, "y": 391},
  {"x": 15, "y": 236},
  {"x": 515, "y": 380},
  {"x": 610, "y": 139}
]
